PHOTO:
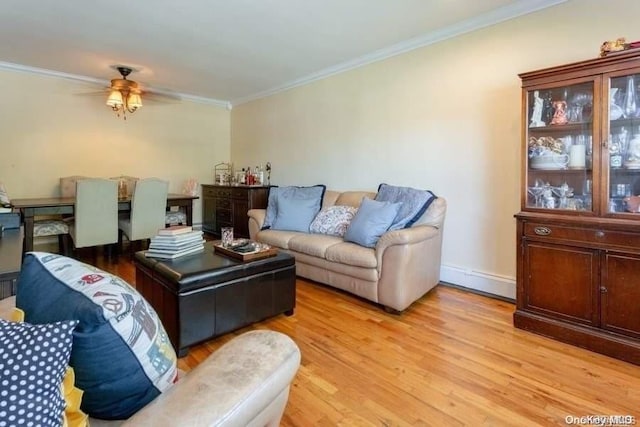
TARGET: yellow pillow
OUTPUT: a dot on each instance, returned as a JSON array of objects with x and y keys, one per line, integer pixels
[{"x": 72, "y": 416}]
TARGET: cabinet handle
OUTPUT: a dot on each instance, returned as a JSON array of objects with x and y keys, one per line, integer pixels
[
  {"x": 603, "y": 289},
  {"x": 605, "y": 143},
  {"x": 599, "y": 234},
  {"x": 542, "y": 231}
]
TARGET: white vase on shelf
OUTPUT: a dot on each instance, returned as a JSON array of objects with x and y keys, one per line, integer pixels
[{"x": 615, "y": 111}]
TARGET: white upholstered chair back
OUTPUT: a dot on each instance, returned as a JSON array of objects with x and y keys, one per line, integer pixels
[
  {"x": 148, "y": 207},
  {"x": 96, "y": 213}
]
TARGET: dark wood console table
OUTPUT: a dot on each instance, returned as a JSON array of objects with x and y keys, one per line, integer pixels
[{"x": 10, "y": 260}]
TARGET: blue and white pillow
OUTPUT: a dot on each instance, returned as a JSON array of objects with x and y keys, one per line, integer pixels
[
  {"x": 333, "y": 220},
  {"x": 121, "y": 354},
  {"x": 414, "y": 203},
  {"x": 33, "y": 362},
  {"x": 290, "y": 195}
]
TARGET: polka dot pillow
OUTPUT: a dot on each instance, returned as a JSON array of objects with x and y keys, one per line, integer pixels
[{"x": 33, "y": 361}]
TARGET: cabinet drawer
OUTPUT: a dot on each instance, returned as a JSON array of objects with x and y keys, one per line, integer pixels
[
  {"x": 223, "y": 203},
  {"x": 590, "y": 236},
  {"x": 215, "y": 192},
  {"x": 223, "y": 215},
  {"x": 239, "y": 193}
]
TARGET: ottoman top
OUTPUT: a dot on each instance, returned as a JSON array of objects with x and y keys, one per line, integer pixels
[{"x": 209, "y": 268}]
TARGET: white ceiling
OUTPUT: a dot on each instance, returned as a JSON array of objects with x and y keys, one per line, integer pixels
[{"x": 230, "y": 50}]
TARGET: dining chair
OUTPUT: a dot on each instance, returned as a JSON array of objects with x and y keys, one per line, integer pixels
[
  {"x": 95, "y": 220},
  {"x": 147, "y": 214},
  {"x": 176, "y": 215}
]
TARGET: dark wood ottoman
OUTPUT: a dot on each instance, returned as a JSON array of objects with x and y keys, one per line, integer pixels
[{"x": 205, "y": 295}]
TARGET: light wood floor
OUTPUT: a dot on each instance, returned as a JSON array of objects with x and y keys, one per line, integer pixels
[{"x": 454, "y": 358}]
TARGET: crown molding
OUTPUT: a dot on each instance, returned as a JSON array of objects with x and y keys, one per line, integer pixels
[
  {"x": 514, "y": 10},
  {"x": 8, "y": 66}
]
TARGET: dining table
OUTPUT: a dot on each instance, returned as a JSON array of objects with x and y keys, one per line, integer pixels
[{"x": 33, "y": 207}]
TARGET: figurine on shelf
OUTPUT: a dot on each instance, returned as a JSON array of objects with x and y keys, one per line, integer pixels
[
  {"x": 536, "y": 115},
  {"x": 268, "y": 169},
  {"x": 560, "y": 113}
]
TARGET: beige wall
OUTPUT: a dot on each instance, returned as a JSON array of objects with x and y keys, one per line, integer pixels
[
  {"x": 48, "y": 130},
  {"x": 445, "y": 117}
]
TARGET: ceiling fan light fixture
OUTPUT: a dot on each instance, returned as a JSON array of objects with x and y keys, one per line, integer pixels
[{"x": 124, "y": 95}]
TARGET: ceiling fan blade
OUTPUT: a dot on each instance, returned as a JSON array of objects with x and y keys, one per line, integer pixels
[{"x": 160, "y": 96}]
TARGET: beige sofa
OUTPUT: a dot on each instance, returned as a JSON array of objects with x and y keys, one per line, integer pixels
[
  {"x": 244, "y": 383},
  {"x": 404, "y": 265}
]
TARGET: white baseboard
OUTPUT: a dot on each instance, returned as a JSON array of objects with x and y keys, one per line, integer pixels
[{"x": 490, "y": 283}]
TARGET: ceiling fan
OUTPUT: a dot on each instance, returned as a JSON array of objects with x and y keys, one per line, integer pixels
[{"x": 125, "y": 96}]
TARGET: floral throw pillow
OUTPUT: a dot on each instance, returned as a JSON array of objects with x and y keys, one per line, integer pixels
[{"x": 333, "y": 220}]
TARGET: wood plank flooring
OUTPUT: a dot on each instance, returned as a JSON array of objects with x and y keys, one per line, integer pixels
[{"x": 453, "y": 359}]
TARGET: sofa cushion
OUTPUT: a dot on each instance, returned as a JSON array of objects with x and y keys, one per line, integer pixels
[
  {"x": 333, "y": 220},
  {"x": 33, "y": 361},
  {"x": 352, "y": 254},
  {"x": 414, "y": 203},
  {"x": 371, "y": 221},
  {"x": 290, "y": 192},
  {"x": 313, "y": 244},
  {"x": 121, "y": 354},
  {"x": 295, "y": 214},
  {"x": 278, "y": 238}
]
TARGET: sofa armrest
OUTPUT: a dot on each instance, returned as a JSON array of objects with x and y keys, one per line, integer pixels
[
  {"x": 256, "y": 220},
  {"x": 405, "y": 236},
  {"x": 408, "y": 264},
  {"x": 244, "y": 383}
]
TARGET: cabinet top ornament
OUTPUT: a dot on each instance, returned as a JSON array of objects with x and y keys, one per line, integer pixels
[{"x": 617, "y": 45}]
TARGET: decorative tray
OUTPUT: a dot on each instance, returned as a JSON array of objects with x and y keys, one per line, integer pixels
[{"x": 264, "y": 251}]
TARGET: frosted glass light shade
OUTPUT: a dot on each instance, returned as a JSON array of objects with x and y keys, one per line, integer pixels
[
  {"x": 134, "y": 102},
  {"x": 115, "y": 99}
]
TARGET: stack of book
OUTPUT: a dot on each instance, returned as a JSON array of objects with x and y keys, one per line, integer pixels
[{"x": 175, "y": 242}]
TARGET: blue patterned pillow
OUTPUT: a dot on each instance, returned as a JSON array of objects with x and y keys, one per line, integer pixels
[
  {"x": 33, "y": 361},
  {"x": 292, "y": 194},
  {"x": 121, "y": 354},
  {"x": 414, "y": 203}
]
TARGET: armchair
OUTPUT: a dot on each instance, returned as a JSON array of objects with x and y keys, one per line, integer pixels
[{"x": 244, "y": 383}]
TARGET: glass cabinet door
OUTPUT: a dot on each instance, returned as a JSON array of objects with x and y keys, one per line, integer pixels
[
  {"x": 560, "y": 141},
  {"x": 623, "y": 146}
]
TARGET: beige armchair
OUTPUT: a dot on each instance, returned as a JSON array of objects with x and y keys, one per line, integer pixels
[
  {"x": 148, "y": 206},
  {"x": 244, "y": 383},
  {"x": 95, "y": 220}
]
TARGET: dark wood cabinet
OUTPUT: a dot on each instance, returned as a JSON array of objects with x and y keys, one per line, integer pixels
[
  {"x": 227, "y": 206},
  {"x": 578, "y": 231}
]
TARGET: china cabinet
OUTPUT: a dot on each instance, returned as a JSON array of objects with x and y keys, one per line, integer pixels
[
  {"x": 578, "y": 231},
  {"x": 227, "y": 206}
]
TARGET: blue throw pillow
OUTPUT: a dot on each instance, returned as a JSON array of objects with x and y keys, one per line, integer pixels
[
  {"x": 295, "y": 214},
  {"x": 414, "y": 203},
  {"x": 121, "y": 354},
  {"x": 371, "y": 221},
  {"x": 315, "y": 192}
]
